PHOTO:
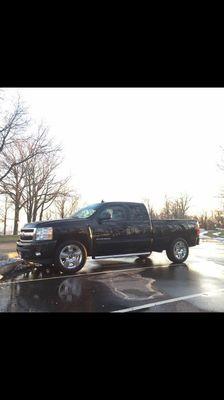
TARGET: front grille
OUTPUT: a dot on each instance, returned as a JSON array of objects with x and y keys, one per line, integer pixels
[{"x": 27, "y": 234}]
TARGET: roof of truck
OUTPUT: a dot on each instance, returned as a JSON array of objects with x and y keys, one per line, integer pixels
[{"x": 120, "y": 202}]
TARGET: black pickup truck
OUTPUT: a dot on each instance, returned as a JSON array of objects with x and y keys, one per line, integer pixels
[{"x": 105, "y": 230}]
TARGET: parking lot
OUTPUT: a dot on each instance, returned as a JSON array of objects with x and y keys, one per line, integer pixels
[{"x": 122, "y": 285}]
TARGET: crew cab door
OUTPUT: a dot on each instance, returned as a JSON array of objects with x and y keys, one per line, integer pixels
[
  {"x": 139, "y": 229},
  {"x": 110, "y": 233}
]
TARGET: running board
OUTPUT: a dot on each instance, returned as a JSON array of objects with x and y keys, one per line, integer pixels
[{"x": 121, "y": 255}]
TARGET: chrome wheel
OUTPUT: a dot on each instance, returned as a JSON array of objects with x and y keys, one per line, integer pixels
[
  {"x": 180, "y": 250},
  {"x": 70, "y": 256}
]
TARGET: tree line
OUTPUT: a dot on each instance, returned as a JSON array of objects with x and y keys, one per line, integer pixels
[
  {"x": 179, "y": 208},
  {"x": 172, "y": 209},
  {"x": 29, "y": 170}
]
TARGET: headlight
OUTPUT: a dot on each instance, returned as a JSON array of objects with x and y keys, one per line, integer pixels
[{"x": 44, "y": 233}]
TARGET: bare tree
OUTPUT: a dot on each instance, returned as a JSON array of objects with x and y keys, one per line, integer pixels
[
  {"x": 166, "y": 211},
  {"x": 4, "y": 212},
  {"x": 42, "y": 185},
  {"x": 14, "y": 126},
  {"x": 51, "y": 194},
  {"x": 16, "y": 180},
  {"x": 183, "y": 204},
  {"x": 13, "y": 184},
  {"x": 218, "y": 218},
  {"x": 66, "y": 203},
  {"x": 153, "y": 214},
  {"x": 177, "y": 208},
  {"x": 49, "y": 214}
]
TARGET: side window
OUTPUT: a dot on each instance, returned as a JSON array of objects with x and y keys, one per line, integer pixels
[
  {"x": 138, "y": 212},
  {"x": 117, "y": 213},
  {"x": 105, "y": 212}
]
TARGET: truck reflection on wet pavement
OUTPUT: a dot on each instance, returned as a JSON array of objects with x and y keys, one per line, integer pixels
[
  {"x": 41, "y": 289},
  {"x": 121, "y": 284}
]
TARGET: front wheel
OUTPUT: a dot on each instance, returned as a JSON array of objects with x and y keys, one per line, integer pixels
[
  {"x": 70, "y": 257},
  {"x": 178, "y": 251}
]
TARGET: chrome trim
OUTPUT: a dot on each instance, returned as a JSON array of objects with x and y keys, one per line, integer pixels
[
  {"x": 180, "y": 250},
  {"x": 70, "y": 256},
  {"x": 90, "y": 232},
  {"x": 27, "y": 233},
  {"x": 103, "y": 238},
  {"x": 31, "y": 233},
  {"x": 121, "y": 255}
]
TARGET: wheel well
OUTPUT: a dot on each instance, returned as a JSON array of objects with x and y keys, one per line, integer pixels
[{"x": 83, "y": 241}]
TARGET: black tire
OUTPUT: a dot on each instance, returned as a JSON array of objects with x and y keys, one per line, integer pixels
[
  {"x": 145, "y": 256},
  {"x": 70, "y": 269},
  {"x": 172, "y": 251}
]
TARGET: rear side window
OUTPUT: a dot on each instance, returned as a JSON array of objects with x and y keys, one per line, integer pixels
[
  {"x": 117, "y": 213},
  {"x": 138, "y": 212}
]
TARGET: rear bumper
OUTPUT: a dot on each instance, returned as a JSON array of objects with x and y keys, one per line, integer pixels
[
  {"x": 194, "y": 242},
  {"x": 42, "y": 252}
]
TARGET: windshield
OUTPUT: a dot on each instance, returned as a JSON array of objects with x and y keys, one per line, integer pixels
[{"x": 85, "y": 212}]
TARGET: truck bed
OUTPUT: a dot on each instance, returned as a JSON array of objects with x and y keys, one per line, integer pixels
[{"x": 165, "y": 230}]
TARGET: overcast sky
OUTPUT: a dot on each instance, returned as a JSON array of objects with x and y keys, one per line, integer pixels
[{"x": 131, "y": 143}]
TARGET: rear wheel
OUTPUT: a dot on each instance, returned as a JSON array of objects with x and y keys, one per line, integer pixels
[
  {"x": 70, "y": 257},
  {"x": 178, "y": 251}
]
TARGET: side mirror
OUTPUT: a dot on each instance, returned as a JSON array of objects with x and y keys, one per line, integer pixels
[{"x": 105, "y": 217}]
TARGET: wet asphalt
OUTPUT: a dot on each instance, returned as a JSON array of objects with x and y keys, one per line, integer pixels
[{"x": 122, "y": 285}]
